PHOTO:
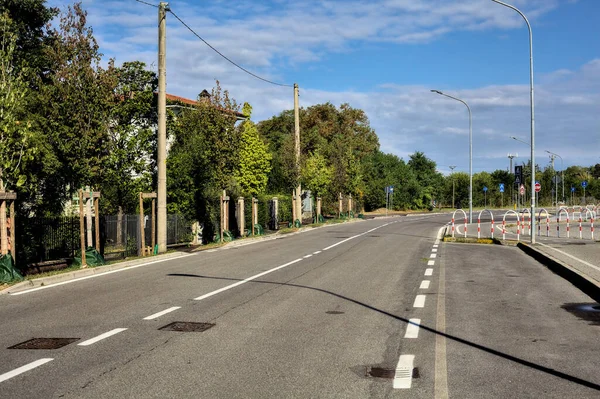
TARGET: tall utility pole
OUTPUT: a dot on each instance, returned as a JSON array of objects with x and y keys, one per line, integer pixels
[
  {"x": 297, "y": 148},
  {"x": 452, "y": 175},
  {"x": 162, "y": 129}
]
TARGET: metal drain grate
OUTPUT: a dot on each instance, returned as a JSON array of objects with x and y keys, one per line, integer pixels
[
  {"x": 380, "y": 372},
  {"x": 186, "y": 326},
  {"x": 44, "y": 343}
]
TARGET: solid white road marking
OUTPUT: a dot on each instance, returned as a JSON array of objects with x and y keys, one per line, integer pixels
[
  {"x": 164, "y": 312},
  {"x": 22, "y": 369},
  {"x": 570, "y": 256},
  {"x": 404, "y": 370},
  {"x": 343, "y": 241},
  {"x": 433, "y": 256},
  {"x": 102, "y": 336},
  {"x": 100, "y": 274},
  {"x": 430, "y": 262},
  {"x": 316, "y": 253},
  {"x": 425, "y": 284},
  {"x": 419, "y": 301},
  {"x": 215, "y": 292},
  {"x": 307, "y": 256},
  {"x": 412, "y": 330},
  {"x": 211, "y": 250},
  {"x": 429, "y": 272}
]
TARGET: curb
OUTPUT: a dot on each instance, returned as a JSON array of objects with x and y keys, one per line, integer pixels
[
  {"x": 579, "y": 280},
  {"x": 58, "y": 278}
]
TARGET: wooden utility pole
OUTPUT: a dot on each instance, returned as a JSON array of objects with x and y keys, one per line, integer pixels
[
  {"x": 82, "y": 230},
  {"x": 298, "y": 203},
  {"x": 162, "y": 127}
]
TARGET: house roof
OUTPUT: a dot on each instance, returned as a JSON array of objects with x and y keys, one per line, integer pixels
[{"x": 204, "y": 94}]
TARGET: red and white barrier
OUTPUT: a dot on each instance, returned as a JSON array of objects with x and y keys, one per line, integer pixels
[
  {"x": 453, "y": 215},
  {"x": 479, "y": 222},
  {"x": 561, "y": 211},
  {"x": 504, "y": 225}
]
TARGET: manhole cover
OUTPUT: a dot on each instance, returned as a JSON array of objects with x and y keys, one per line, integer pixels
[
  {"x": 380, "y": 372},
  {"x": 185, "y": 326},
  {"x": 585, "y": 311},
  {"x": 334, "y": 312},
  {"x": 44, "y": 343}
]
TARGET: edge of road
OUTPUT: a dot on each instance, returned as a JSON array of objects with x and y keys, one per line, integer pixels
[
  {"x": 76, "y": 274},
  {"x": 578, "y": 279}
]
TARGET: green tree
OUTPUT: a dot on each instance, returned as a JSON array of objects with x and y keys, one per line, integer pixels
[
  {"x": 254, "y": 165},
  {"x": 131, "y": 143},
  {"x": 316, "y": 174},
  {"x": 15, "y": 131},
  {"x": 74, "y": 111}
]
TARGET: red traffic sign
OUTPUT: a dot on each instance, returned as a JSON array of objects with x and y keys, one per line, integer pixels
[
  {"x": 522, "y": 190},
  {"x": 538, "y": 187}
]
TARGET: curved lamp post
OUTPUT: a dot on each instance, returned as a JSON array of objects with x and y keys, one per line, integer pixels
[
  {"x": 562, "y": 174},
  {"x": 532, "y": 113},
  {"x": 470, "y": 152}
]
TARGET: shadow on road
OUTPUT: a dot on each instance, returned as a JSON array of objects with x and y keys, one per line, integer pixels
[{"x": 494, "y": 352}]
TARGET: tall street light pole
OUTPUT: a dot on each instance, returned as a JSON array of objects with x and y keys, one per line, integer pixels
[
  {"x": 470, "y": 151},
  {"x": 452, "y": 175},
  {"x": 562, "y": 174},
  {"x": 532, "y": 116}
]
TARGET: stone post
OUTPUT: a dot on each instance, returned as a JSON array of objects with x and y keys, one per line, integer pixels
[
  {"x": 349, "y": 204},
  {"x": 340, "y": 208},
  {"x": 240, "y": 215},
  {"x": 318, "y": 208}
]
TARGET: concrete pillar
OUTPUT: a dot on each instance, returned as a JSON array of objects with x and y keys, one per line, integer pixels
[
  {"x": 294, "y": 207},
  {"x": 340, "y": 208},
  {"x": 349, "y": 204},
  {"x": 240, "y": 215},
  {"x": 318, "y": 208}
]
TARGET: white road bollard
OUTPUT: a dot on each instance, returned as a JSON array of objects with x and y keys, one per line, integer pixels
[
  {"x": 504, "y": 224},
  {"x": 580, "y": 232},
  {"x": 478, "y": 228},
  {"x": 452, "y": 226},
  {"x": 453, "y": 217}
]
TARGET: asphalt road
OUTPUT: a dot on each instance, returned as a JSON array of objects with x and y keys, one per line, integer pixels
[{"x": 309, "y": 315}]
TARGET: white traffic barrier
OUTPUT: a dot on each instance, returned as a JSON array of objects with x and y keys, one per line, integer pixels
[
  {"x": 504, "y": 225},
  {"x": 453, "y": 215},
  {"x": 540, "y": 222},
  {"x": 479, "y": 223},
  {"x": 577, "y": 216},
  {"x": 526, "y": 210},
  {"x": 591, "y": 219},
  {"x": 559, "y": 218}
]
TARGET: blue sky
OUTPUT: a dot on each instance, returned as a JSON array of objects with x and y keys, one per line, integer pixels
[{"x": 384, "y": 57}]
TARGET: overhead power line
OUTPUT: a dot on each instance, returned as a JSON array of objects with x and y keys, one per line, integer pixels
[
  {"x": 148, "y": 4},
  {"x": 222, "y": 55}
]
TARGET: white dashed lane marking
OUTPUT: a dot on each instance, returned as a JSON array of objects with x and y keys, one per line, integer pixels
[
  {"x": 425, "y": 284},
  {"x": 164, "y": 312},
  {"x": 430, "y": 262},
  {"x": 429, "y": 272},
  {"x": 433, "y": 256},
  {"x": 419, "y": 301},
  {"x": 102, "y": 336},
  {"x": 23, "y": 369},
  {"x": 404, "y": 370},
  {"x": 412, "y": 330}
]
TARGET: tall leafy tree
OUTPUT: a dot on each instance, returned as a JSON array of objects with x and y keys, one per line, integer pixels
[
  {"x": 254, "y": 164},
  {"x": 74, "y": 109},
  {"x": 16, "y": 149},
  {"x": 317, "y": 174},
  {"x": 131, "y": 140}
]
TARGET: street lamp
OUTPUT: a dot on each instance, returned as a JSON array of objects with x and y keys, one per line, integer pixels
[
  {"x": 518, "y": 139},
  {"x": 532, "y": 115},
  {"x": 470, "y": 152},
  {"x": 562, "y": 172},
  {"x": 452, "y": 176}
]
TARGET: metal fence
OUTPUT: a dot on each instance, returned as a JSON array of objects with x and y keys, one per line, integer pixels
[{"x": 41, "y": 240}]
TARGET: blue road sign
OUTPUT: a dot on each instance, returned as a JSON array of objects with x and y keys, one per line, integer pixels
[
  {"x": 484, "y": 188},
  {"x": 572, "y": 189},
  {"x": 584, "y": 184},
  {"x": 501, "y": 187}
]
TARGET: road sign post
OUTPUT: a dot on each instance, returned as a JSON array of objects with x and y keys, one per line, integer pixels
[
  {"x": 584, "y": 185},
  {"x": 501, "y": 189}
]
